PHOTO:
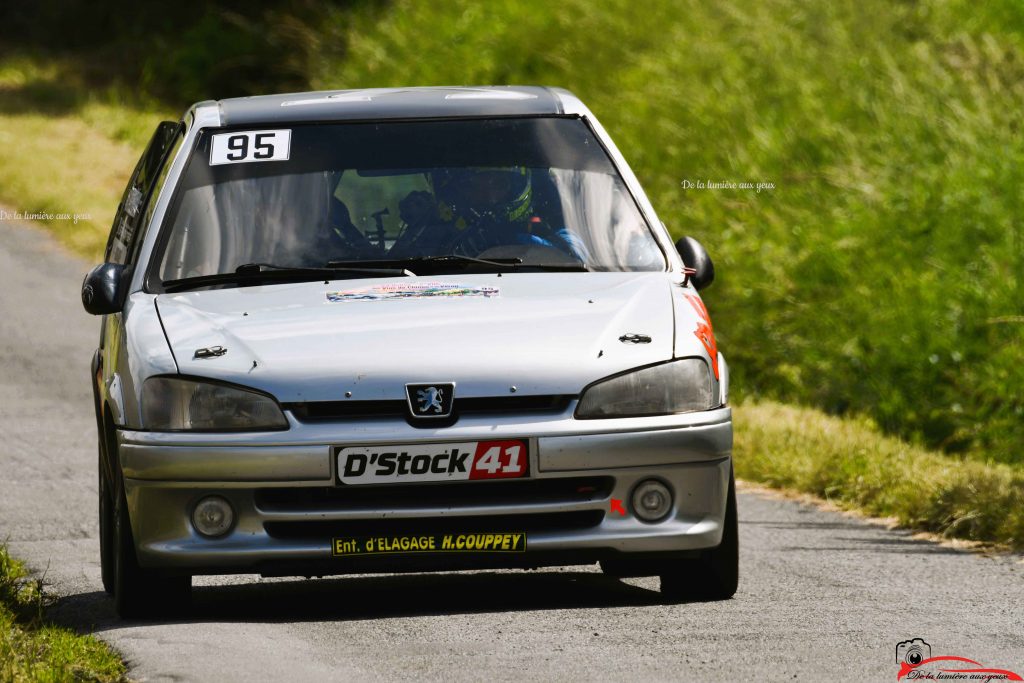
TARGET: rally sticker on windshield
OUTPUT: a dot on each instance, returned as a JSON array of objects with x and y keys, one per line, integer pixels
[
  {"x": 467, "y": 461},
  {"x": 249, "y": 146},
  {"x": 417, "y": 290},
  {"x": 430, "y": 543}
]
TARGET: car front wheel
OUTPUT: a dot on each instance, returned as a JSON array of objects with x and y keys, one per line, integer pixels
[
  {"x": 714, "y": 574},
  {"x": 106, "y": 514},
  {"x": 138, "y": 592}
]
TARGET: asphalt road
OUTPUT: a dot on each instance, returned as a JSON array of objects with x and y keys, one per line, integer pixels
[{"x": 821, "y": 597}]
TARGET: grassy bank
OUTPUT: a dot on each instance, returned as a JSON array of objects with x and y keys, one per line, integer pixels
[
  {"x": 32, "y": 649},
  {"x": 851, "y": 463}
]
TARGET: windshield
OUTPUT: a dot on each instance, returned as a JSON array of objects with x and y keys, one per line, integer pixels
[{"x": 526, "y": 191}]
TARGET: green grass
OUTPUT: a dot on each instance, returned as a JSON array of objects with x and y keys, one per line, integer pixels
[
  {"x": 32, "y": 649},
  {"x": 851, "y": 463}
]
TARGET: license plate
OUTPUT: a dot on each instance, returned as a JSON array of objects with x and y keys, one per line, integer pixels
[
  {"x": 505, "y": 542},
  {"x": 465, "y": 461}
]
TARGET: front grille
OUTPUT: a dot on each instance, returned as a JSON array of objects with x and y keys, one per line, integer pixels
[
  {"x": 549, "y": 521},
  {"x": 461, "y": 502},
  {"x": 556, "y": 490},
  {"x": 314, "y": 411},
  {"x": 454, "y": 497}
]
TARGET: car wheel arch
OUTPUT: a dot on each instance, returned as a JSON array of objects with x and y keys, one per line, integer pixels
[{"x": 108, "y": 451}]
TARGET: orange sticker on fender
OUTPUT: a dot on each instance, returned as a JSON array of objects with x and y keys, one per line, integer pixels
[{"x": 703, "y": 332}]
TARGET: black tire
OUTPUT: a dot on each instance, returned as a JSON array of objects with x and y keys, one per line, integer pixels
[
  {"x": 715, "y": 574},
  {"x": 140, "y": 593},
  {"x": 106, "y": 514}
]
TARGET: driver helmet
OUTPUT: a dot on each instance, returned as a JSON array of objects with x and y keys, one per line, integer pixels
[{"x": 498, "y": 194}]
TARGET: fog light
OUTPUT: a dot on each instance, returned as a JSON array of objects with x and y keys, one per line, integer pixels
[
  {"x": 651, "y": 500},
  {"x": 213, "y": 516}
]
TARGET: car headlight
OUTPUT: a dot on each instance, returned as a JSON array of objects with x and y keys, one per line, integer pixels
[
  {"x": 175, "y": 404},
  {"x": 679, "y": 386}
]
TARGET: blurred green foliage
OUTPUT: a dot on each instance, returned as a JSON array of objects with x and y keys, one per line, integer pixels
[
  {"x": 884, "y": 273},
  {"x": 184, "y": 52}
]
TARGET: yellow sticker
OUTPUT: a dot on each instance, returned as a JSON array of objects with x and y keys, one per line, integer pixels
[{"x": 430, "y": 543}]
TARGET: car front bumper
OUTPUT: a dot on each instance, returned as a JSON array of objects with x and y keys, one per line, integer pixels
[{"x": 288, "y": 507}]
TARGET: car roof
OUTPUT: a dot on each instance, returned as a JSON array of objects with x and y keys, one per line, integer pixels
[{"x": 391, "y": 103}]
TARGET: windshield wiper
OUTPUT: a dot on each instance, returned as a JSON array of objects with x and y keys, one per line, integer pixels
[
  {"x": 505, "y": 264},
  {"x": 567, "y": 267},
  {"x": 459, "y": 258},
  {"x": 257, "y": 273},
  {"x": 510, "y": 263},
  {"x": 330, "y": 268}
]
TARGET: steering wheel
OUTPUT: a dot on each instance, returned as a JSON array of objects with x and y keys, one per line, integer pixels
[{"x": 471, "y": 241}]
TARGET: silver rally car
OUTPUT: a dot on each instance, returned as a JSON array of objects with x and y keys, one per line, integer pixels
[{"x": 417, "y": 329}]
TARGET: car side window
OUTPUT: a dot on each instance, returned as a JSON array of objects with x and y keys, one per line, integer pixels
[
  {"x": 129, "y": 215},
  {"x": 154, "y": 194}
]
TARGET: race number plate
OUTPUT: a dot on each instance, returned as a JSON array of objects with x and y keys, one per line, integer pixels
[
  {"x": 466, "y": 461},
  {"x": 250, "y": 146}
]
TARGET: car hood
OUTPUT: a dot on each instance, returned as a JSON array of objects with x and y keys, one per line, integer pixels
[{"x": 543, "y": 333}]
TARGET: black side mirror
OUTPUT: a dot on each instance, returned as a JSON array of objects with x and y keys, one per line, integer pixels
[
  {"x": 101, "y": 289},
  {"x": 696, "y": 257}
]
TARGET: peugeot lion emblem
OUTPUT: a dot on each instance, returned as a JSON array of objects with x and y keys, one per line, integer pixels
[
  {"x": 434, "y": 400},
  {"x": 430, "y": 400}
]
